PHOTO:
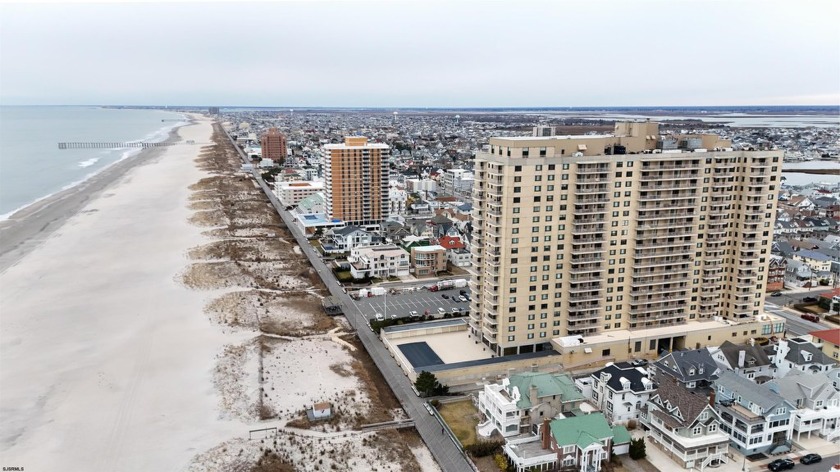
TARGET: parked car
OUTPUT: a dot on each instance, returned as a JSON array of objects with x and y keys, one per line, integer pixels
[
  {"x": 379, "y": 317},
  {"x": 781, "y": 464},
  {"x": 456, "y": 310},
  {"x": 811, "y": 318},
  {"x": 809, "y": 299},
  {"x": 393, "y": 316},
  {"x": 461, "y": 298},
  {"x": 775, "y": 294},
  {"x": 810, "y": 459},
  {"x": 444, "y": 296},
  {"x": 468, "y": 297},
  {"x": 463, "y": 292},
  {"x": 413, "y": 314},
  {"x": 441, "y": 311}
]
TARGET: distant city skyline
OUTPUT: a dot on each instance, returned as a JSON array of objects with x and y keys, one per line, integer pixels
[{"x": 417, "y": 55}]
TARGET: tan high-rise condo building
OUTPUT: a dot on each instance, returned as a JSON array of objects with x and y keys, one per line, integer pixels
[
  {"x": 592, "y": 234},
  {"x": 273, "y": 145},
  {"x": 357, "y": 175}
]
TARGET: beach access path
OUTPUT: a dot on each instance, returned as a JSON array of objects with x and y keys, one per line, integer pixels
[{"x": 106, "y": 359}]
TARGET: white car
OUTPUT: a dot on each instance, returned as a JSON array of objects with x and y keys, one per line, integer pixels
[
  {"x": 393, "y": 316},
  {"x": 379, "y": 317},
  {"x": 441, "y": 311},
  {"x": 461, "y": 298},
  {"x": 413, "y": 314}
]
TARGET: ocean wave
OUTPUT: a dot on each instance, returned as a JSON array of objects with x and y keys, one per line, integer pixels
[
  {"x": 161, "y": 133},
  {"x": 89, "y": 162}
]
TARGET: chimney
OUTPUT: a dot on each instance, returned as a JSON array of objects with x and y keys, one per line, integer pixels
[
  {"x": 546, "y": 434},
  {"x": 532, "y": 395},
  {"x": 712, "y": 396},
  {"x": 741, "y": 355}
]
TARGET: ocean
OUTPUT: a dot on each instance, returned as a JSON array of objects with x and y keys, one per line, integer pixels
[{"x": 33, "y": 168}]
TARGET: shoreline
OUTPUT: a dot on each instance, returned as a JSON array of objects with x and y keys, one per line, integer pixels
[
  {"x": 108, "y": 360},
  {"x": 29, "y": 226}
]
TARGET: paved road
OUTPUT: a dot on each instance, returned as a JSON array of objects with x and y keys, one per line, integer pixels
[
  {"x": 791, "y": 298},
  {"x": 446, "y": 453},
  {"x": 795, "y": 324}
]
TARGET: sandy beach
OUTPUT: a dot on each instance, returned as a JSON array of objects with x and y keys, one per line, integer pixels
[{"x": 106, "y": 360}]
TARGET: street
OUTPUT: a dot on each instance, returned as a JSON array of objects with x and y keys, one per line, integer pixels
[{"x": 795, "y": 324}]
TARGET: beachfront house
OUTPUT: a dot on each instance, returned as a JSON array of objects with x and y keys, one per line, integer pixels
[
  {"x": 579, "y": 443},
  {"x": 519, "y": 403},
  {"x": 684, "y": 424},
  {"x": 378, "y": 262}
]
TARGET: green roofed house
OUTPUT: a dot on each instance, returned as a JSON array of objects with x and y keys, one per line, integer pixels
[
  {"x": 519, "y": 403},
  {"x": 579, "y": 442}
]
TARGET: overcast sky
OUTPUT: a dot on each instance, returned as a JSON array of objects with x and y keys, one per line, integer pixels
[{"x": 436, "y": 54}]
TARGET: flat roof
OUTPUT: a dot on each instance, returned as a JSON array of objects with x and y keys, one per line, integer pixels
[
  {"x": 628, "y": 335},
  {"x": 553, "y": 138},
  {"x": 450, "y": 348}
]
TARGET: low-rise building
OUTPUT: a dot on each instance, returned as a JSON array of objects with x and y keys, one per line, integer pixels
[
  {"x": 378, "y": 262},
  {"x": 341, "y": 240},
  {"x": 580, "y": 443},
  {"x": 817, "y": 261},
  {"x": 684, "y": 424},
  {"x": 459, "y": 257},
  {"x": 691, "y": 369},
  {"x": 519, "y": 403},
  {"x": 829, "y": 341},
  {"x": 798, "y": 354},
  {"x": 776, "y": 273},
  {"x": 619, "y": 390},
  {"x": 756, "y": 418},
  {"x": 746, "y": 360},
  {"x": 816, "y": 402},
  {"x": 428, "y": 261},
  {"x": 291, "y": 193}
]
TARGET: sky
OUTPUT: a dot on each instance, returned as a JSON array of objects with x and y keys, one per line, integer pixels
[{"x": 422, "y": 54}]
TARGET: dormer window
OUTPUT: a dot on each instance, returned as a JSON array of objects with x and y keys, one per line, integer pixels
[{"x": 691, "y": 371}]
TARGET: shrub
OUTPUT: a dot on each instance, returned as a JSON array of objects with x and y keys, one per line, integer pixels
[
  {"x": 501, "y": 462},
  {"x": 637, "y": 449},
  {"x": 484, "y": 448}
]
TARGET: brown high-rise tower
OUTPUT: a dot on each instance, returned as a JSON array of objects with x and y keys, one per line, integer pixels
[{"x": 273, "y": 144}]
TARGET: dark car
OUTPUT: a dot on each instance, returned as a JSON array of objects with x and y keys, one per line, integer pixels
[
  {"x": 810, "y": 459},
  {"x": 781, "y": 464},
  {"x": 809, "y": 299},
  {"x": 463, "y": 292},
  {"x": 775, "y": 294},
  {"x": 811, "y": 318},
  {"x": 444, "y": 296}
]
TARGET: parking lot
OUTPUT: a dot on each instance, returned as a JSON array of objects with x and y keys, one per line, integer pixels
[{"x": 420, "y": 301}]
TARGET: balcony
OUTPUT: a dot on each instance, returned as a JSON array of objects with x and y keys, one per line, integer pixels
[
  {"x": 646, "y": 186},
  {"x": 660, "y": 251},
  {"x": 583, "y": 169},
  {"x": 662, "y": 262},
  {"x": 586, "y": 190},
  {"x": 658, "y": 290},
  {"x": 648, "y": 281},
  {"x": 663, "y": 215},
  {"x": 591, "y": 228},
  {"x": 585, "y": 287},
  {"x": 584, "y": 297},
  {"x": 649, "y": 166},
  {"x": 585, "y": 278},
  {"x": 592, "y": 209}
]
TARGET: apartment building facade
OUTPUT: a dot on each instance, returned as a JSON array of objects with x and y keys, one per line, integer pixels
[
  {"x": 273, "y": 145},
  {"x": 580, "y": 235},
  {"x": 356, "y": 174}
]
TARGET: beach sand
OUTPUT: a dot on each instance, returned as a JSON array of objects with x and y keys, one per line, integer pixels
[{"x": 106, "y": 359}]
